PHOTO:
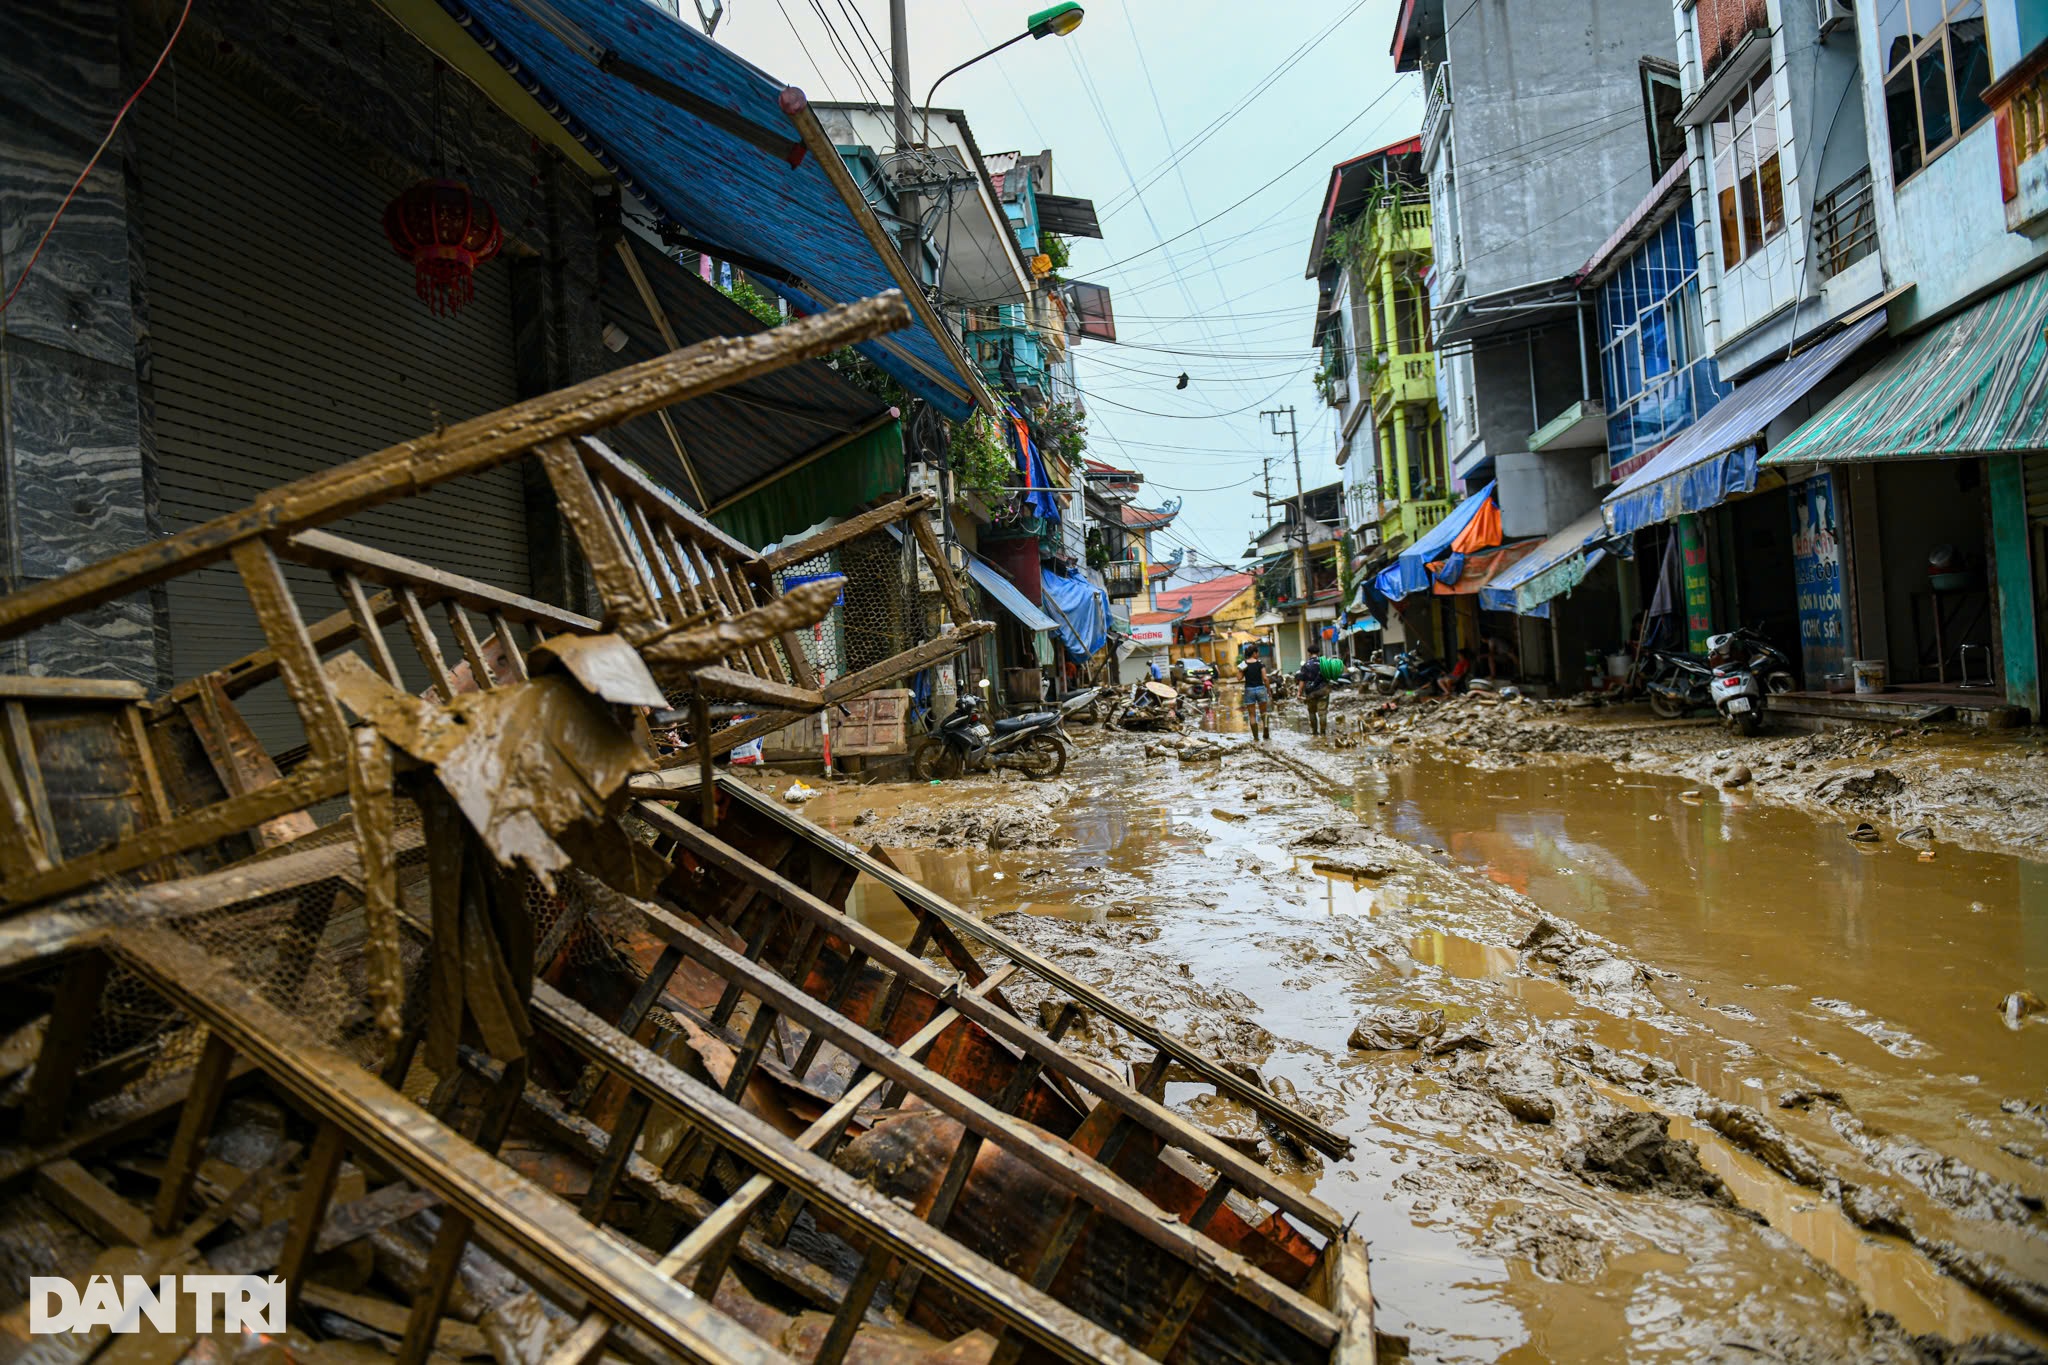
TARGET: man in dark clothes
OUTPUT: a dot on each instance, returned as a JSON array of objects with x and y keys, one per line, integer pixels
[{"x": 1315, "y": 690}]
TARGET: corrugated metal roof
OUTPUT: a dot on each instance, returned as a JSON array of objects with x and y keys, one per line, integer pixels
[
  {"x": 1715, "y": 458},
  {"x": 1974, "y": 385},
  {"x": 743, "y": 434},
  {"x": 700, "y": 154}
]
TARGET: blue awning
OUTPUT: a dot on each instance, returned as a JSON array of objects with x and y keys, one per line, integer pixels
[
  {"x": 1082, "y": 610},
  {"x": 1008, "y": 597},
  {"x": 1553, "y": 568},
  {"x": 704, "y": 138},
  {"x": 1410, "y": 570},
  {"x": 1714, "y": 459}
]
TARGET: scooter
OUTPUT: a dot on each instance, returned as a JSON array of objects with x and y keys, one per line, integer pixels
[
  {"x": 1748, "y": 670},
  {"x": 1409, "y": 672},
  {"x": 1035, "y": 745},
  {"x": 1677, "y": 683}
]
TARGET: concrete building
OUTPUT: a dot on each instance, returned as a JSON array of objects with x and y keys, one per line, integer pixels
[{"x": 1544, "y": 125}]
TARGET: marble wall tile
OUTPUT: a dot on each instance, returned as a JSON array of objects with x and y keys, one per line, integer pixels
[{"x": 74, "y": 459}]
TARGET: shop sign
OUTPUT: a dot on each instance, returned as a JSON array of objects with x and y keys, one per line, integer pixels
[
  {"x": 1817, "y": 572},
  {"x": 1699, "y": 592}
]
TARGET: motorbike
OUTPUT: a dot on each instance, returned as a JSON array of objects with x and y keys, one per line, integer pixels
[
  {"x": 1035, "y": 745},
  {"x": 1409, "y": 672},
  {"x": 1677, "y": 683},
  {"x": 1748, "y": 670},
  {"x": 1151, "y": 706}
]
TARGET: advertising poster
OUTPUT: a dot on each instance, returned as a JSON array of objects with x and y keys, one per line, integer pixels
[{"x": 1817, "y": 570}]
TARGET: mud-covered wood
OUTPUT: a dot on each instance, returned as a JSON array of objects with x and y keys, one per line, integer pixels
[
  {"x": 324, "y": 550},
  {"x": 329, "y": 1084}
]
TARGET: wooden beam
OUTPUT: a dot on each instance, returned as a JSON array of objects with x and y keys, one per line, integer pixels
[
  {"x": 112, "y": 1220},
  {"x": 922, "y": 899},
  {"x": 22, "y": 687},
  {"x": 853, "y": 528},
  {"x": 324, "y": 550},
  {"x": 330, "y": 1085},
  {"x": 1045, "y": 1320},
  {"x": 462, "y": 448},
  {"x": 716, "y": 680}
]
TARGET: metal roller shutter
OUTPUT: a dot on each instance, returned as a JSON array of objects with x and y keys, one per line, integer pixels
[
  {"x": 2035, "y": 468},
  {"x": 285, "y": 338}
]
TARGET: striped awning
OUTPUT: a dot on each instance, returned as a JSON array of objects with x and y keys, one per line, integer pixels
[
  {"x": 1715, "y": 458},
  {"x": 1552, "y": 569},
  {"x": 1975, "y": 385}
]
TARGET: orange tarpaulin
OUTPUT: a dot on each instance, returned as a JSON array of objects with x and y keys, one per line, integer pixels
[
  {"x": 1482, "y": 532},
  {"x": 1482, "y": 568}
]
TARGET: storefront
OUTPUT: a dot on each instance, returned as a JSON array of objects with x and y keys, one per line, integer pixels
[{"x": 1931, "y": 469}]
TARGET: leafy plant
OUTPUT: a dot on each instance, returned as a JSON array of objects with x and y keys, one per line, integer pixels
[
  {"x": 1055, "y": 247},
  {"x": 1061, "y": 431},
  {"x": 981, "y": 458},
  {"x": 756, "y": 300}
]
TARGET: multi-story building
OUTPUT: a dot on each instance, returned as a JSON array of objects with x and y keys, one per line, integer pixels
[
  {"x": 1370, "y": 254},
  {"x": 1536, "y": 124},
  {"x": 1299, "y": 573}
]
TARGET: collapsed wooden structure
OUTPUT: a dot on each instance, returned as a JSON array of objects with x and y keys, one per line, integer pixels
[{"x": 563, "y": 1026}]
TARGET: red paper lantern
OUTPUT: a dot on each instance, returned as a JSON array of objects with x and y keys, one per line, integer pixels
[{"x": 446, "y": 232}]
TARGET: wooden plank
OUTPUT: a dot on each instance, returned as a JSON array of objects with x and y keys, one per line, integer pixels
[
  {"x": 949, "y": 586},
  {"x": 195, "y": 1123},
  {"x": 969, "y": 926},
  {"x": 109, "y": 1218},
  {"x": 480, "y": 676},
  {"x": 325, "y": 550},
  {"x": 454, "y": 1337},
  {"x": 515, "y": 658},
  {"x": 253, "y": 670},
  {"x": 1348, "y": 1288},
  {"x": 1058, "y": 1162},
  {"x": 329, "y": 1084},
  {"x": 309, "y": 1210},
  {"x": 298, "y": 662},
  {"x": 263, "y": 1249},
  {"x": 150, "y": 1109},
  {"x": 356, "y": 602},
  {"x": 461, "y": 448},
  {"x": 21, "y": 739},
  {"x": 619, "y": 585},
  {"x": 853, "y": 528},
  {"x": 424, "y": 644},
  {"x": 623, "y": 478},
  {"x": 715, "y": 680},
  {"x": 69, "y": 1033},
  {"x": 22, "y": 846},
  {"x": 1046, "y": 1321},
  {"x": 24, "y": 687},
  {"x": 1169, "y": 1126},
  {"x": 145, "y": 763},
  {"x": 668, "y": 339},
  {"x": 948, "y": 643}
]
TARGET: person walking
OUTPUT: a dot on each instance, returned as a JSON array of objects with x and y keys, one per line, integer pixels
[
  {"x": 1258, "y": 697},
  {"x": 1315, "y": 690}
]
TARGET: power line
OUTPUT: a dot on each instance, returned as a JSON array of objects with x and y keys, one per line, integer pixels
[
  {"x": 845, "y": 56},
  {"x": 806, "y": 49}
]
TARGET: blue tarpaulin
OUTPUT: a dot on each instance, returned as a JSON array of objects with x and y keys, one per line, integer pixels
[
  {"x": 1031, "y": 467},
  {"x": 1006, "y": 593},
  {"x": 713, "y": 153},
  {"x": 1410, "y": 570},
  {"x": 1082, "y": 610}
]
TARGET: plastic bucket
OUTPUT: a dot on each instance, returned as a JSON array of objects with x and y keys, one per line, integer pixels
[
  {"x": 1869, "y": 674},
  {"x": 1617, "y": 665}
]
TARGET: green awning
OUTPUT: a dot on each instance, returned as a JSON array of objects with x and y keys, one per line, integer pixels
[
  {"x": 850, "y": 476},
  {"x": 1975, "y": 385}
]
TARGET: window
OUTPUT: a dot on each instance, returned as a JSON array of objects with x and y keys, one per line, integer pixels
[
  {"x": 1661, "y": 100},
  {"x": 1749, "y": 190},
  {"x": 1936, "y": 69},
  {"x": 1650, "y": 354}
]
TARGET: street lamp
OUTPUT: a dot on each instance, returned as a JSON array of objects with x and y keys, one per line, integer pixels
[{"x": 1056, "y": 22}]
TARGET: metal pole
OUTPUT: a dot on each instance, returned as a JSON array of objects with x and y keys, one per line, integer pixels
[
  {"x": 1299, "y": 535},
  {"x": 899, "y": 80}
]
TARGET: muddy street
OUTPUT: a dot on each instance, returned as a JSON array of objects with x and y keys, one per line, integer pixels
[{"x": 1636, "y": 1067}]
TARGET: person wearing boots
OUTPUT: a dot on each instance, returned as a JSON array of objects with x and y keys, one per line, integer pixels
[
  {"x": 1258, "y": 697},
  {"x": 1315, "y": 690}
]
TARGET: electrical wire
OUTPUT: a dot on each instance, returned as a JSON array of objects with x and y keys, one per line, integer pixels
[
  {"x": 806, "y": 50},
  {"x": 845, "y": 56},
  {"x": 98, "y": 152}
]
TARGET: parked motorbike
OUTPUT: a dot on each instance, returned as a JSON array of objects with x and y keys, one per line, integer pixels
[
  {"x": 1409, "y": 672},
  {"x": 1034, "y": 745},
  {"x": 1151, "y": 706},
  {"x": 1677, "y": 683},
  {"x": 1748, "y": 670}
]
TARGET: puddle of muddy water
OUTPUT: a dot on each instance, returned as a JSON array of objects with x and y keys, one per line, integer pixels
[{"x": 1870, "y": 972}]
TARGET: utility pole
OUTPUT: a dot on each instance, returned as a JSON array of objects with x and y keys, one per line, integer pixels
[
  {"x": 908, "y": 245},
  {"x": 1299, "y": 534}
]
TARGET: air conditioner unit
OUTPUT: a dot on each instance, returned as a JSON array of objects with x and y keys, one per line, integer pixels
[{"x": 1832, "y": 14}]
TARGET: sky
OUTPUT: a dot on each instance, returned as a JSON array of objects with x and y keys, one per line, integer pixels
[{"x": 1207, "y": 162}]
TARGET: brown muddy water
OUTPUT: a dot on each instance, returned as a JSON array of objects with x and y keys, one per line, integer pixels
[{"x": 1782, "y": 962}]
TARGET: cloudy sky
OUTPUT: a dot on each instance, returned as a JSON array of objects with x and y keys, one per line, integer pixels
[{"x": 1204, "y": 131}]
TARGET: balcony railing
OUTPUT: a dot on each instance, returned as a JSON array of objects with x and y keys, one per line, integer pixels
[
  {"x": 1407, "y": 521},
  {"x": 1433, "y": 112},
  {"x": 2019, "y": 102},
  {"x": 1402, "y": 379},
  {"x": 1123, "y": 578},
  {"x": 1845, "y": 225}
]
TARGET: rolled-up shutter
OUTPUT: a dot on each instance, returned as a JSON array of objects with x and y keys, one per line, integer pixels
[{"x": 285, "y": 338}]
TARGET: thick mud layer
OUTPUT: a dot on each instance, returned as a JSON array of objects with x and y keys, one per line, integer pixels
[
  {"x": 1640, "y": 1073},
  {"x": 1926, "y": 784}
]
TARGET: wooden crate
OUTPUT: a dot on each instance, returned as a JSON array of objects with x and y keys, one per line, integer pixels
[{"x": 868, "y": 726}]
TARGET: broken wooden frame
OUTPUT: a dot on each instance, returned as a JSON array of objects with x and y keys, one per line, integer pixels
[{"x": 700, "y": 606}]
